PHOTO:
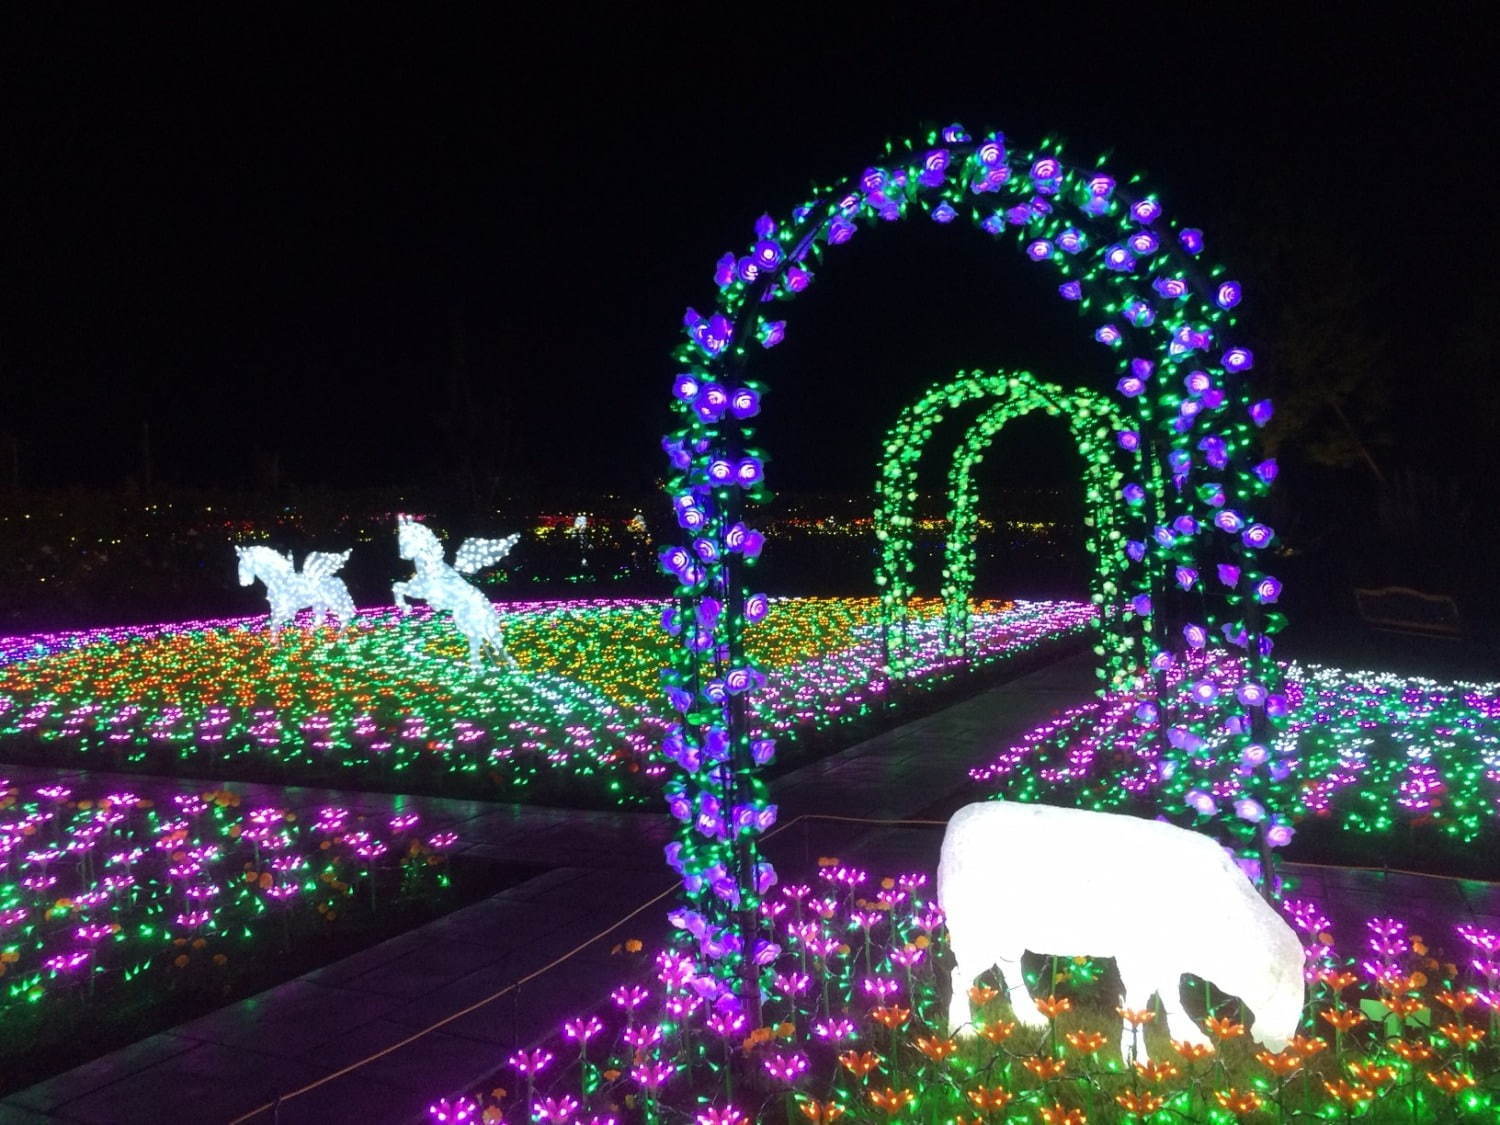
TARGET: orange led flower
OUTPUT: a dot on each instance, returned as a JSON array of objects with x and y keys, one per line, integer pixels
[
  {"x": 1336, "y": 980},
  {"x": 1450, "y": 1081},
  {"x": 1342, "y": 1019},
  {"x": 820, "y": 1113},
  {"x": 1140, "y": 1103},
  {"x": 997, "y": 1032},
  {"x": 980, "y": 995},
  {"x": 892, "y": 1017},
  {"x": 1308, "y": 1045},
  {"x": 891, "y": 1100},
  {"x": 1054, "y": 1006},
  {"x": 1225, "y": 1028},
  {"x": 936, "y": 1049},
  {"x": 1372, "y": 1074},
  {"x": 1238, "y": 1101},
  {"x": 996, "y": 1097},
  {"x": 1063, "y": 1115},
  {"x": 1085, "y": 1042},
  {"x": 1192, "y": 1051},
  {"x": 1346, "y": 1094},
  {"x": 858, "y": 1064},
  {"x": 1158, "y": 1071},
  {"x": 1458, "y": 1001},
  {"x": 1403, "y": 1006},
  {"x": 1044, "y": 1067},
  {"x": 1411, "y": 1052},
  {"x": 1461, "y": 1035},
  {"x": 1281, "y": 1065},
  {"x": 1136, "y": 1018}
]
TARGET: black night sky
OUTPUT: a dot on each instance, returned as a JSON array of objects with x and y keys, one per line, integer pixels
[{"x": 275, "y": 234}]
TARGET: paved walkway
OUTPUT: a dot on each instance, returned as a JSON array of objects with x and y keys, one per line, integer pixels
[{"x": 604, "y": 867}]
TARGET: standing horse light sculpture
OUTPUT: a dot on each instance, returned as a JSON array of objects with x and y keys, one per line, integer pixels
[
  {"x": 317, "y": 587},
  {"x": 443, "y": 587},
  {"x": 1161, "y": 900}
]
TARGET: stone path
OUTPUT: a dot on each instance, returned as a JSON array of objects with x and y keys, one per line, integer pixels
[{"x": 603, "y": 866}]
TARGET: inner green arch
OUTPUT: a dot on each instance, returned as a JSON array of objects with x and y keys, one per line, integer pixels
[{"x": 1091, "y": 421}]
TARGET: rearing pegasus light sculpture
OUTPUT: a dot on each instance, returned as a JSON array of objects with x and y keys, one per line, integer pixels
[
  {"x": 318, "y": 587},
  {"x": 443, "y": 587}
]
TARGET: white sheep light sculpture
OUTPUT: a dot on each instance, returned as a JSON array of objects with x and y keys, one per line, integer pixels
[
  {"x": 317, "y": 587},
  {"x": 443, "y": 587},
  {"x": 1161, "y": 900}
]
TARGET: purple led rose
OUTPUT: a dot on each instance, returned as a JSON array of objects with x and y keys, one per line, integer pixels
[
  {"x": 1257, "y": 536},
  {"x": 1128, "y": 440},
  {"x": 1171, "y": 288},
  {"x": 1039, "y": 250},
  {"x": 1191, "y": 240},
  {"x": 1135, "y": 550},
  {"x": 1145, "y": 210},
  {"x": 1238, "y": 359},
  {"x": 744, "y": 403},
  {"x": 1229, "y": 521},
  {"x": 1070, "y": 291},
  {"x": 1267, "y": 590},
  {"x": 1228, "y": 295}
]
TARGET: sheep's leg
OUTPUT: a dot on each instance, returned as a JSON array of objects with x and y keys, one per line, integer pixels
[
  {"x": 1013, "y": 980},
  {"x": 960, "y": 1019},
  {"x": 1169, "y": 988},
  {"x": 1140, "y": 983}
]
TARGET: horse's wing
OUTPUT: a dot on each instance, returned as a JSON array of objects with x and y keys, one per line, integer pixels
[
  {"x": 323, "y": 564},
  {"x": 476, "y": 554}
]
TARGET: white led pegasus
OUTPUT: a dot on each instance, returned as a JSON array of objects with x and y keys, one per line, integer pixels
[
  {"x": 1161, "y": 900},
  {"x": 318, "y": 587},
  {"x": 443, "y": 587}
]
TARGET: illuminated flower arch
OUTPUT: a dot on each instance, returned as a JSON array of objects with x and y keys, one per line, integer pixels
[
  {"x": 1189, "y": 567},
  {"x": 1091, "y": 421}
]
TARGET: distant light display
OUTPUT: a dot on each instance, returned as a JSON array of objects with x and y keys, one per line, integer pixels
[
  {"x": 1092, "y": 423},
  {"x": 444, "y": 588},
  {"x": 316, "y": 587},
  {"x": 391, "y": 699},
  {"x": 1171, "y": 321}
]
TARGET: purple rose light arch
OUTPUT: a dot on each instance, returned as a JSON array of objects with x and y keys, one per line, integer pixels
[{"x": 1189, "y": 567}]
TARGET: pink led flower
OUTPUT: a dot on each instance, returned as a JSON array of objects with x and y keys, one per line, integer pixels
[
  {"x": 786, "y": 1068},
  {"x": 457, "y": 1112},
  {"x": 727, "y": 1116},
  {"x": 555, "y": 1110},
  {"x": 629, "y": 997},
  {"x": 583, "y": 1029},
  {"x": 530, "y": 1062},
  {"x": 653, "y": 1075}
]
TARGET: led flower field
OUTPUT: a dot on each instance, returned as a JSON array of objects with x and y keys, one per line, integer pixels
[
  {"x": 392, "y": 701},
  {"x": 1364, "y": 750},
  {"x": 854, "y": 1029},
  {"x": 111, "y": 901}
]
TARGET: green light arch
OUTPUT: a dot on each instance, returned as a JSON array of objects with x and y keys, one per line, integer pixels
[{"x": 1091, "y": 422}]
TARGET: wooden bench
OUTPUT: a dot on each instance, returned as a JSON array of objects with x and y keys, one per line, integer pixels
[{"x": 1400, "y": 609}]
